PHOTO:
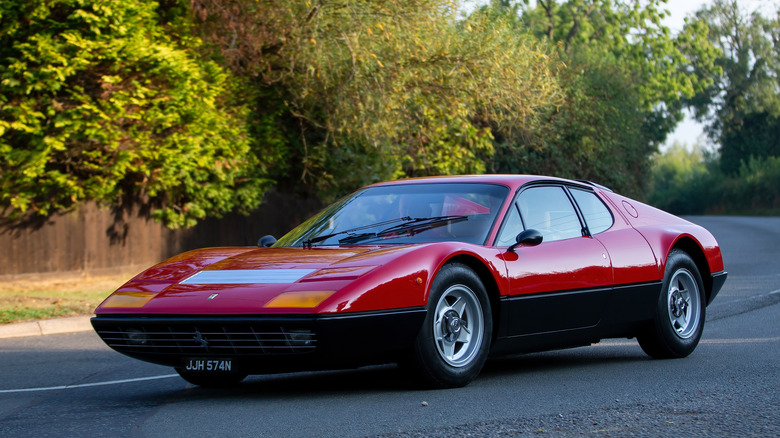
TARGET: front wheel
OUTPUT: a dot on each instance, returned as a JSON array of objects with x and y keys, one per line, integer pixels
[
  {"x": 679, "y": 319},
  {"x": 453, "y": 343}
]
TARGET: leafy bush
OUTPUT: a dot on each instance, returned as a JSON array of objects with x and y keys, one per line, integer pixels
[
  {"x": 756, "y": 189},
  {"x": 594, "y": 134},
  {"x": 692, "y": 182},
  {"x": 682, "y": 180},
  {"x": 383, "y": 89},
  {"x": 103, "y": 100}
]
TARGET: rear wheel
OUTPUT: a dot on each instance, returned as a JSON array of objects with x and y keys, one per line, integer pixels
[
  {"x": 453, "y": 344},
  {"x": 211, "y": 380},
  {"x": 679, "y": 319}
]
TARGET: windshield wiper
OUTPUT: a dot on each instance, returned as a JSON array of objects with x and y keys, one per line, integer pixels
[
  {"x": 356, "y": 238},
  {"x": 411, "y": 226},
  {"x": 308, "y": 242},
  {"x": 418, "y": 225}
]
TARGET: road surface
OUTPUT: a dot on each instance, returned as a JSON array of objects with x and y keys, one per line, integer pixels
[{"x": 73, "y": 385}]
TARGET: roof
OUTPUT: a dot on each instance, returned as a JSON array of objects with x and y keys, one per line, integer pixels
[{"x": 512, "y": 181}]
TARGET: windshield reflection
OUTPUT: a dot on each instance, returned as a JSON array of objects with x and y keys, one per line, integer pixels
[{"x": 449, "y": 212}]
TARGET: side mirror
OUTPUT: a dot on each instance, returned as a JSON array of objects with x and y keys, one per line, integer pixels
[
  {"x": 529, "y": 237},
  {"x": 266, "y": 241}
]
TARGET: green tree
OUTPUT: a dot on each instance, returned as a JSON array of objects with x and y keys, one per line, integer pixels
[
  {"x": 742, "y": 105},
  {"x": 594, "y": 133},
  {"x": 383, "y": 89},
  {"x": 623, "y": 81},
  {"x": 631, "y": 32},
  {"x": 107, "y": 100}
]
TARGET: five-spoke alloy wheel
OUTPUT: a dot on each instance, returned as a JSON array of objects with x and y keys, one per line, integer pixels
[
  {"x": 679, "y": 320},
  {"x": 453, "y": 343},
  {"x": 684, "y": 303},
  {"x": 458, "y": 325}
]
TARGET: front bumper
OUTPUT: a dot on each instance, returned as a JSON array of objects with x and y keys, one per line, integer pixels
[{"x": 265, "y": 344}]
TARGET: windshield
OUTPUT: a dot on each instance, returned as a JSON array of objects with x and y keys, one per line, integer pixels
[{"x": 411, "y": 213}]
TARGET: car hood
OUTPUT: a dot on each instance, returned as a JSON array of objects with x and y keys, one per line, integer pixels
[{"x": 243, "y": 280}]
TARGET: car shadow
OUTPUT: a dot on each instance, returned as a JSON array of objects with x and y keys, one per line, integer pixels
[
  {"x": 393, "y": 379},
  {"x": 574, "y": 359}
]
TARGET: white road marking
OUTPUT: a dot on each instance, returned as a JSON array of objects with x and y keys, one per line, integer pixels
[
  {"x": 739, "y": 341},
  {"x": 85, "y": 385},
  {"x": 608, "y": 343}
]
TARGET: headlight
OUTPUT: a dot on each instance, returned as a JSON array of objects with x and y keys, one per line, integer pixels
[
  {"x": 299, "y": 337},
  {"x": 136, "y": 337}
]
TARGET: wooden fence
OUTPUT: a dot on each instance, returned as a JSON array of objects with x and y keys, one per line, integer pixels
[{"x": 90, "y": 242}]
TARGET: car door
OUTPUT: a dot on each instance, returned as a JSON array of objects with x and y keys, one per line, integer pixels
[
  {"x": 635, "y": 273},
  {"x": 562, "y": 283}
]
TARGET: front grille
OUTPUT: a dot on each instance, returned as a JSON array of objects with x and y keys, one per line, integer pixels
[{"x": 206, "y": 338}]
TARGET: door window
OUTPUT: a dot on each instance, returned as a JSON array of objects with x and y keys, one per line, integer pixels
[{"x": 549, "y": 211}]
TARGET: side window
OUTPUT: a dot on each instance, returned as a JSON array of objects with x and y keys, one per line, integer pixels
[
  {"x": 512, "y": 227},
  {"x": 549, "y": 210},
  {"x": 597, "y": 215}
]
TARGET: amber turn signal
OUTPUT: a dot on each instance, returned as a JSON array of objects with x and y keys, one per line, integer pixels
[
  {"x": 128, "y": 299},
  {"x": 307, "y": 299}
]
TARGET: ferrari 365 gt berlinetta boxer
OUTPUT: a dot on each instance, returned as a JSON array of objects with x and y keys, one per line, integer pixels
[{"x": 435, "y": 274}]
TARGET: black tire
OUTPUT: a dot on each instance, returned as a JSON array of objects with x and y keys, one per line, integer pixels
[
  {"x": 211, "y": 380},
  {"x": 453, "y": 343},
  {"x": 679, "y": 318}
]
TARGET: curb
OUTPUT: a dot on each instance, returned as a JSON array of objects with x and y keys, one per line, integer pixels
[{"x": 46, "y": 327}]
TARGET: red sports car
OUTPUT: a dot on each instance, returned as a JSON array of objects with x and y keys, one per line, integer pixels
[{"x": 435, "y": 274}]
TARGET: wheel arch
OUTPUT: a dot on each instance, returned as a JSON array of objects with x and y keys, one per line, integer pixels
[
  {"x": 488, "y": 281},
  {"x": 694, "y": 250}
]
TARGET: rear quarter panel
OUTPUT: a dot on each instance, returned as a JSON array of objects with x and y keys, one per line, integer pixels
[{"x": 664, "y": 231}]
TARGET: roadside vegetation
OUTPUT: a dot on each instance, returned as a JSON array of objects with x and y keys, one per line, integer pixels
[
  {"x": 188, "y": 109},
  {"x": 690, "y": 181},
  {"x": 739, "y": 173},
  {"x": 40, "y": 299}
]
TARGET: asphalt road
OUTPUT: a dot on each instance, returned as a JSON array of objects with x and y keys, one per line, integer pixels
[{"x": 72, "y": 385}]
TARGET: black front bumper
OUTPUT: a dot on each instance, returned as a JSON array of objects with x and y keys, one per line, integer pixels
[
  {"x": 265, "y": 344},
  {"x": 717, "y": 279}
]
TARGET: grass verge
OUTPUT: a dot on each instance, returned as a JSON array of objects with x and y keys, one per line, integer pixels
[{"x": 34, "y": 300}]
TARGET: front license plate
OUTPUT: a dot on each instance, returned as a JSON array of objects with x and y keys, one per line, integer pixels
[{"x": 208, "y": 365}]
